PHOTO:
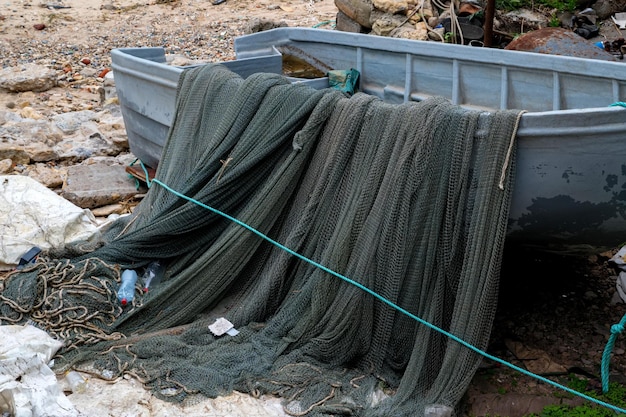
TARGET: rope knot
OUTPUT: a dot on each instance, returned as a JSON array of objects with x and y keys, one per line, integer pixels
[{"x": 617, "y": 328}]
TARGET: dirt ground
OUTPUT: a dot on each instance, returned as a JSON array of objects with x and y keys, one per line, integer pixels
[{"x": 557, "y": 307}]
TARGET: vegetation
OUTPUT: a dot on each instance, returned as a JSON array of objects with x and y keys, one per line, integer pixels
[
  {"x": 560, "y": 5},
  {"x": 616, "y": 396}
]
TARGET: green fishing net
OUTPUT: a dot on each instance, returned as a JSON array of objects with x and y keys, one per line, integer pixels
[{"x": 409, "y": 201}]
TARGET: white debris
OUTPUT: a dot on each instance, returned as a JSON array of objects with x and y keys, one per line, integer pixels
[
  {"x": 28, "y": 387},
  {"x": 33, "y": 215}
]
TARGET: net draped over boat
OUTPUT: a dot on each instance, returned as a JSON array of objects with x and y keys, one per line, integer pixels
[{"x": 409, "y": 200}]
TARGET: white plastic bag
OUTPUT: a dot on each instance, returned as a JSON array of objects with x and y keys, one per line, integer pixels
[
  {"x": 28, "y": 387},
  {"x": 33, "y": 215}
]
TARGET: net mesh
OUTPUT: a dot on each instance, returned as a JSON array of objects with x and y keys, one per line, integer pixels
[{"x": 403, "y": 199}]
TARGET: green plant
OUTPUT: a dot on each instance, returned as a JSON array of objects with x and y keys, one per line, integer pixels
[
  {"x": 577, "y": 384},
  {"x": 616, "y": 395},
  {"x": 554, "y": 22},
  {"x": 559, "y": 5}
]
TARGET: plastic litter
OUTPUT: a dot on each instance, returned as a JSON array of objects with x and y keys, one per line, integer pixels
[
  {"x": 28, "y": 257},
  {"x": 619, "y": 260},
  {"x": 33, "y": 215},
  {"x": 620, "y": 20},
  {"x": 28, "y": 386},
  {"x": 223, "y": 326},
  {"x": 152, "y": 275},
  {"x": 126, "y": 292},
  {"x": 76, "y": 382}
]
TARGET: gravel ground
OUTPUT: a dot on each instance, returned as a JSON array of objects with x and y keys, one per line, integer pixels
[{"x": 91, "y": 28}]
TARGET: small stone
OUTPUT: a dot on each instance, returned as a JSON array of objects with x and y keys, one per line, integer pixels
[
  {"x": 86, "y": 61},
  {"x": 590, "y": 295},
  {"x": 5, "y": 166},
  {"x": 49, "y": 176},
  {"x": 39, "y": 26},
  {"x": 386, "y": 24},
  {"x": 109, "y": 209},
  {"x": 30, "y": 113}
]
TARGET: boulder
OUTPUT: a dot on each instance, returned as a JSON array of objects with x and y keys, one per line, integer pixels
[
  {"x": 27, "y": 77},
  {"x": 357, "y": 10}
]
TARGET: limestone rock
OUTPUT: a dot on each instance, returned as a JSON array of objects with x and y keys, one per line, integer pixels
[
  {"x": 106, "y": 211},
  {"x": 388, "y": 24},
  {"x": 24, "y": 140},
  {"x": 97, "y": 185},
  {"x": 17, "y": 156},
  {"x": 27, "y": 77},
  {"x": 51, "y": 177},
  {"x": 357, "y": 10},
  {"x": 415, "y": 32},
  {"x": 345, "y": 24},
  {"x": 30, "y": 113},
  {"x": 391, "y": 6},
  {"x": 260, "y": 25},
  {"x": 70, "y": 122},
  {"x": 5, "y": 166}
]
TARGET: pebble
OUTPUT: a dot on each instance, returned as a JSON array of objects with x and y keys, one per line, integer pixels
[{"x": 5, "y": 166}]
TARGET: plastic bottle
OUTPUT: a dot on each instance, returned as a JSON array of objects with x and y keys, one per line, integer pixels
[
  {"x": 76, "y": 382},
  {"x": 126, "y": 292},
  {"x": 152, "y": 275}
]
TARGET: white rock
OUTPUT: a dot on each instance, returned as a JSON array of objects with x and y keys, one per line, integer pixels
[{"x": 27, "y": 77}]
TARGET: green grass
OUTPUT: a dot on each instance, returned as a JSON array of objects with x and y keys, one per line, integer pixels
[
  {"x": 559, "y": 5},
  {"x": 616, "y": 396}
]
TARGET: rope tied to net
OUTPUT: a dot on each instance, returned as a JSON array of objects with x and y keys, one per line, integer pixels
[
  {"x": 616, "y": 330},
  {"x": 507, "y": 160}
]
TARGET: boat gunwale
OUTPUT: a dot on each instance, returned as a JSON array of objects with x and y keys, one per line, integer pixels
[
  {"x": 532, "y": 123},
  {"x": 612, "y": 70}
]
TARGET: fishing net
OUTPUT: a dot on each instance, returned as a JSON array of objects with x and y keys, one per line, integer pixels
[{"x": 376, "y": 206}]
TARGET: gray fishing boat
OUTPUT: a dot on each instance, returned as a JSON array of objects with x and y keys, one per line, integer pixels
[{"x": 570, "y": 184}]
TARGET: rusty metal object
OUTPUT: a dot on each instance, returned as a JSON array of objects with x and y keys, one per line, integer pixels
[{"x": 557, "y": 41}]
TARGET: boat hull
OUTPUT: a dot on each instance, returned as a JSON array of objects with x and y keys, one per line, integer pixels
[{"x": 570, "y": 184}]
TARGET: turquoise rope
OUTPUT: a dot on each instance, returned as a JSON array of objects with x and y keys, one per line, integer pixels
[
  {"x": 616, "y": 329},
  {"x": 326, "y": 22},
  {"x": 137, "y": 185},
  {"x": 391, "y": 304}
]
